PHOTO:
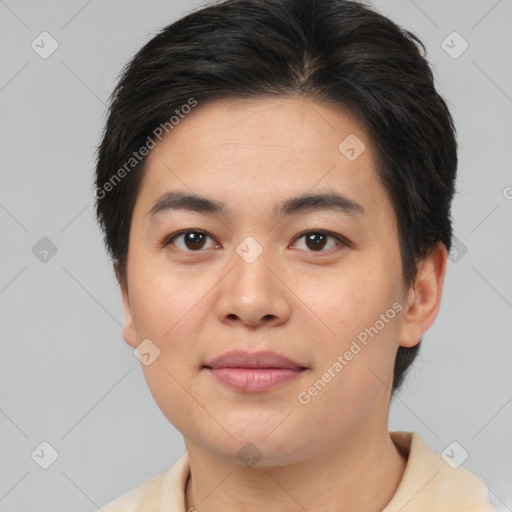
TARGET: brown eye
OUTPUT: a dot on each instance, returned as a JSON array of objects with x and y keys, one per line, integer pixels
[
  {"x": 189, "y": 241},
  {"x": 317, "y": 241},
  {"x": 194, "y": 241}
]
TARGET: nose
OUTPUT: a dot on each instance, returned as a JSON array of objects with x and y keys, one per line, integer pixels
[{"x": 253, "y": 293}]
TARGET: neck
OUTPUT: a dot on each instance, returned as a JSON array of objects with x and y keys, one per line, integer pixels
[{"x": 361, "y": 472}]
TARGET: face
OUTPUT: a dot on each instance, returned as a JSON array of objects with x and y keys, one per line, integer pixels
[{"x": 318, "y": 282}]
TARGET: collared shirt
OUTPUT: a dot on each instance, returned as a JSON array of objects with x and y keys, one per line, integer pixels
[{"x": 430, "y": 483}]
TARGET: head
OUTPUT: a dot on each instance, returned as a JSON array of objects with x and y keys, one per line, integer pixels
[{"x": 250, "y": 103}]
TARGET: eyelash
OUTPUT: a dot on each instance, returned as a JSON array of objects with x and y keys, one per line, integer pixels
[{"x": 342, "y": 242}]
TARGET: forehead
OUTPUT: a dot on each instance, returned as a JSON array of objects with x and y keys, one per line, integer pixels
[
  {"x": 269, "y": 125},
  {"x": 249, "y": 151}
]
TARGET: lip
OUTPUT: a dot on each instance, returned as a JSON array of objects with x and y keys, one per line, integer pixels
[
  {"x": 262, "y": 359},
  {"x": 253, "y": 372}
]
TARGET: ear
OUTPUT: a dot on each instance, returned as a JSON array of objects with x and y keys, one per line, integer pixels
[
  {"x": 129, "y": 326},
  {"x": 424, "y": 296}
]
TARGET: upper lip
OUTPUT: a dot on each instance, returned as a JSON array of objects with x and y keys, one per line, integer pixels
[{"x": 263, "y": 359}]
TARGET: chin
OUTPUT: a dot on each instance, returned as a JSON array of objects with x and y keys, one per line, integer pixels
[{"x": 255, "y": 447}]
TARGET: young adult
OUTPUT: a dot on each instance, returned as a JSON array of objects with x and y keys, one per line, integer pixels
[{"x": 274, "y": 184}]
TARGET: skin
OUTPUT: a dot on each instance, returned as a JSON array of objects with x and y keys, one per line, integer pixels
[{"x": 303, "y": 303}]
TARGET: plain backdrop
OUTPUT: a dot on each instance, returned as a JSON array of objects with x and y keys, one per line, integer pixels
[{"x": 68, "y": 378}]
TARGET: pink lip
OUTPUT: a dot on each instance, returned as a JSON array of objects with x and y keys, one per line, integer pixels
[{"x": 253, "y": 372}]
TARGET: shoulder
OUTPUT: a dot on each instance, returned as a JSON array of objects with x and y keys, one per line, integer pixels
[
  {"x": 141, "y": 497},
  {"x": 431, "y": 480},
  {"x": 164, "y": 491}
]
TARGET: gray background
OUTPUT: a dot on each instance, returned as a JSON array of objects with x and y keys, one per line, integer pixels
[{"x": 67, "y": 376}]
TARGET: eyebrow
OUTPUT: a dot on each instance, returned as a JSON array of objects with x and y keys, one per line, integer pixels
[{"x": 175, "y": 200}]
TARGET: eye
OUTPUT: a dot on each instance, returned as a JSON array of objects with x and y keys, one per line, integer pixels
[
  {"x": 192, "y": 240},
  {"x": 317, "y": 240}
]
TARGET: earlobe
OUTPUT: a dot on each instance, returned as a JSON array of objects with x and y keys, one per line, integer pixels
[
  {"x": 424, "y": 297},
  {"x": 129, "y": 327}
]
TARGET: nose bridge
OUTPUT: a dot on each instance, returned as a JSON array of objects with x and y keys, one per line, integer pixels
[
  {"x": 252, "y": 262},
  {"x": 252, "y": 291}
]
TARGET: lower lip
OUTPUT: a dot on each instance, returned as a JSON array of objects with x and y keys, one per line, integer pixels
[{"x": 253, "y": 380}]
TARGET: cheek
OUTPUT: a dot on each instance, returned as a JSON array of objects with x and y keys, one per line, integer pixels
[
  {"x": 348, "y": 300},
  {"x": 161, "y": 301},
  {"x": 353, "y": 366},
  {"x": 356, "y": 341},
  {"x": 165, "y": 310}
]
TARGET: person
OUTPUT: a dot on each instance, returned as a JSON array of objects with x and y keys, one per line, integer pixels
[{"x": 274, "y": 185}]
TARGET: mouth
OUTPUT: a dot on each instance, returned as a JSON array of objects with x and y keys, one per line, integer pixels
[{"x": 254, "y": 372}]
